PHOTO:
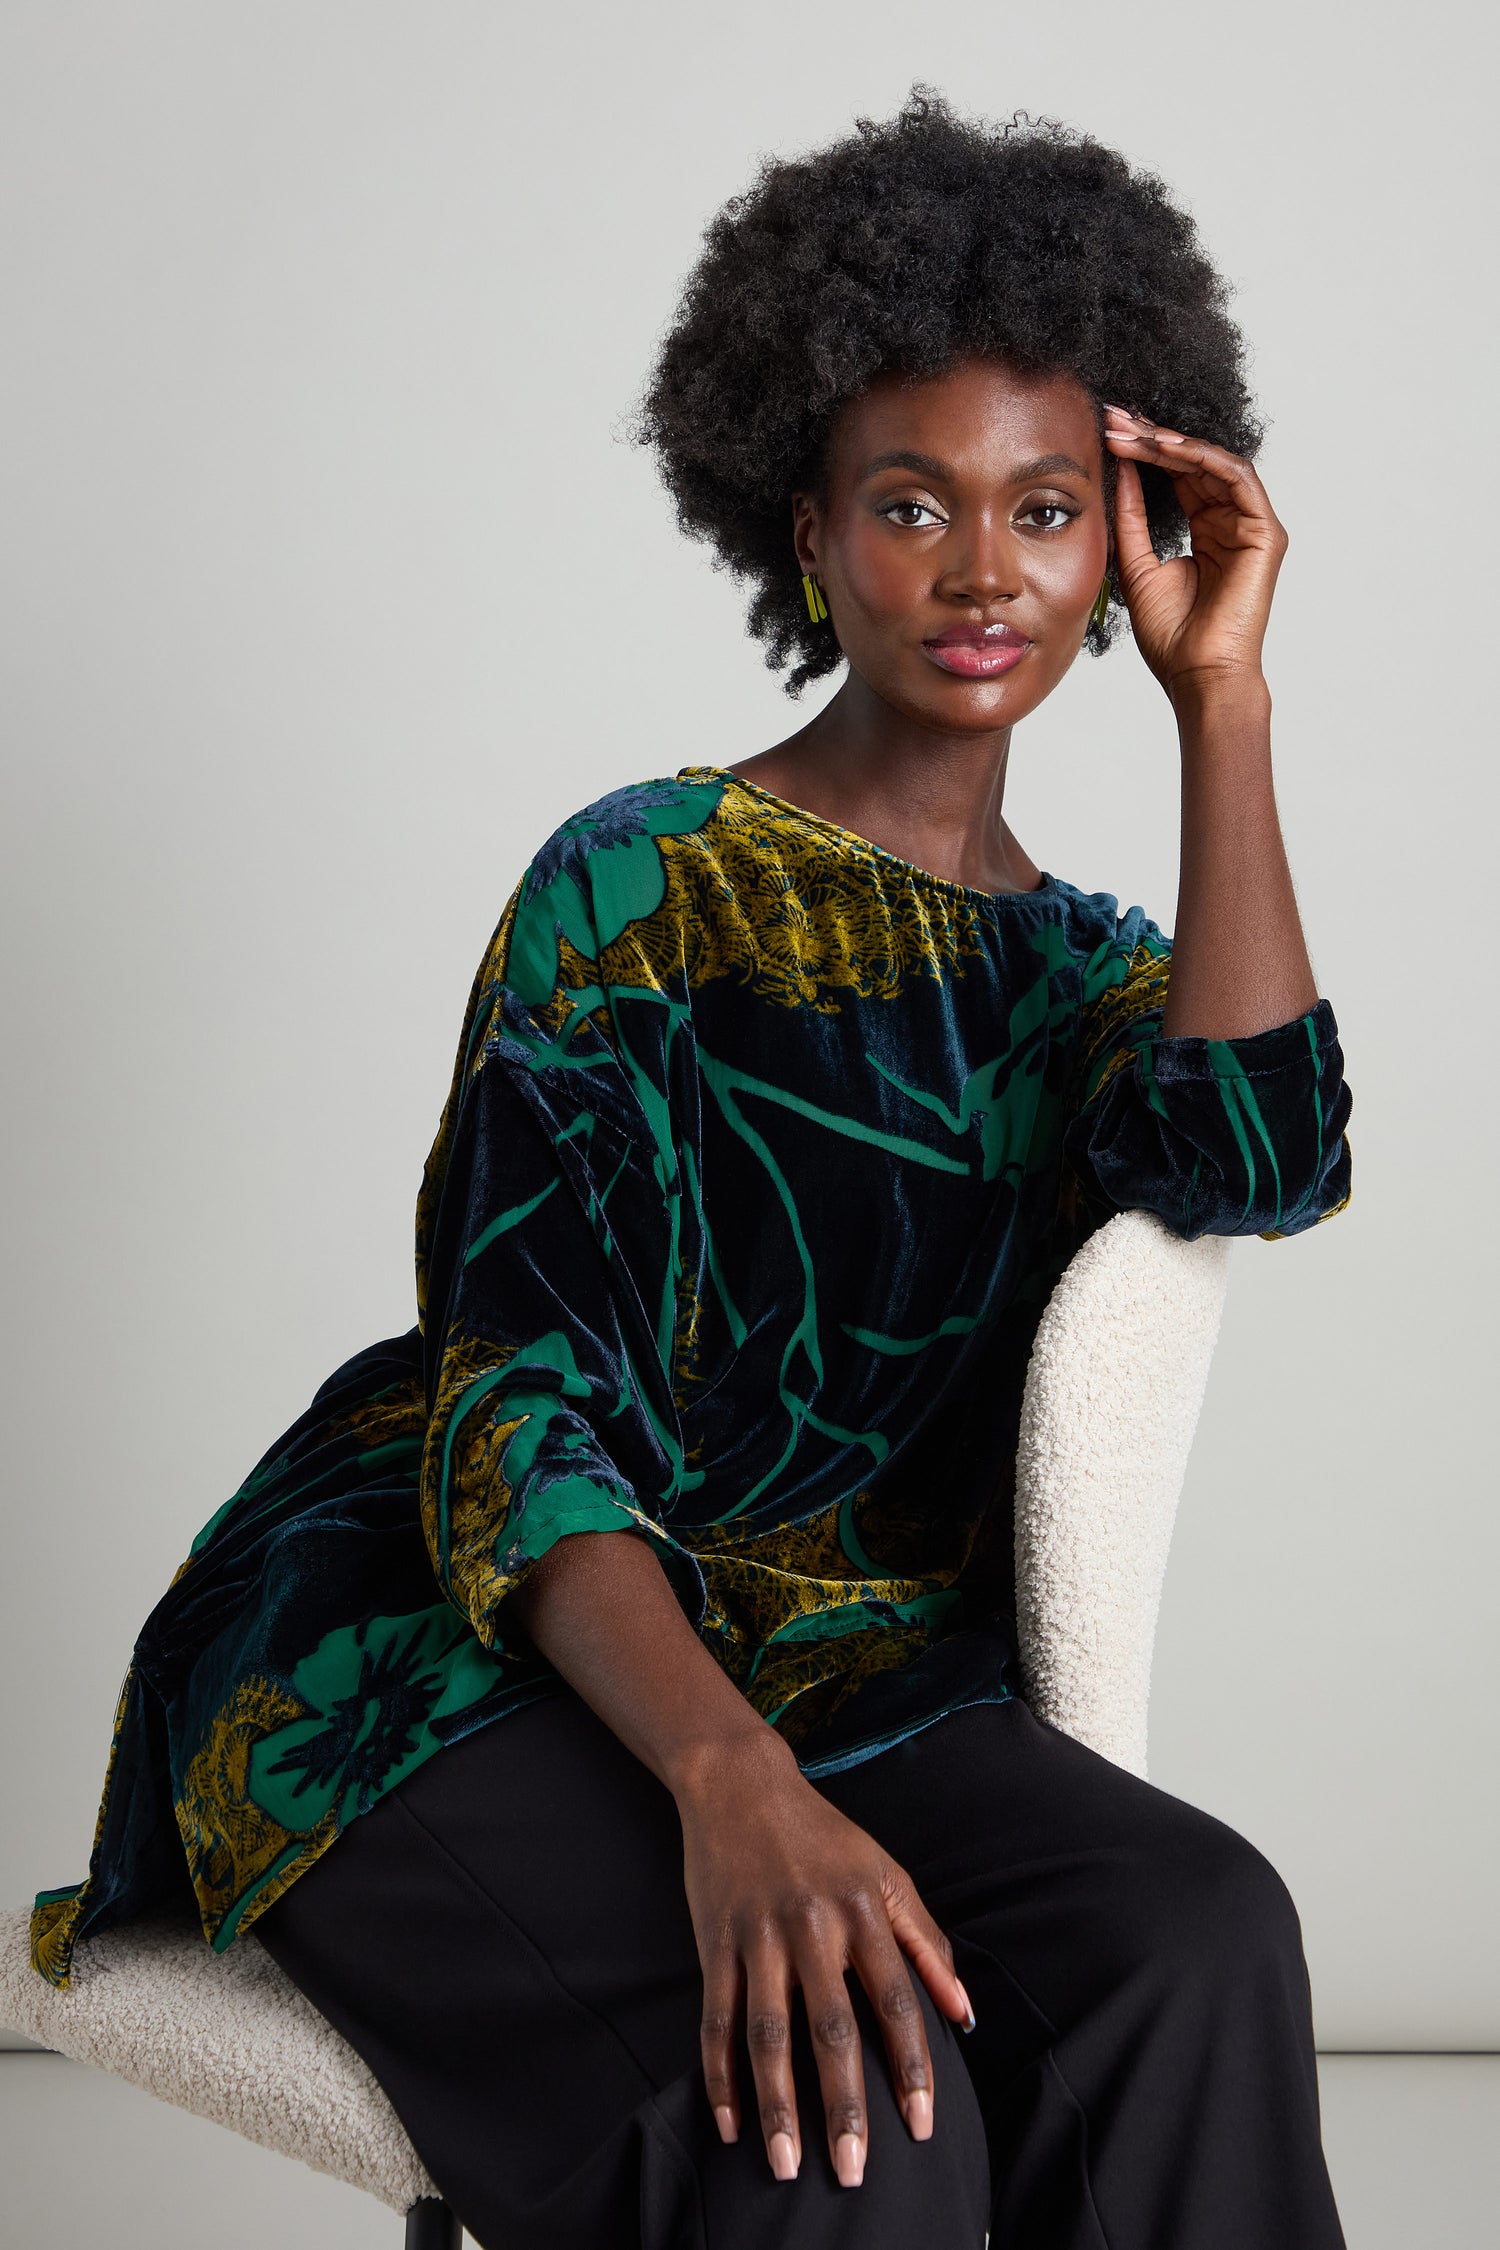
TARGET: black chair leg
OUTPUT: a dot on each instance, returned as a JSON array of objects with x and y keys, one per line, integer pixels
[{"x": 430, "y": 2225}]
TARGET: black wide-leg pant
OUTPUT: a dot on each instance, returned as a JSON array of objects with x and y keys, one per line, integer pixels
[{"x": 506, "y": 1940}]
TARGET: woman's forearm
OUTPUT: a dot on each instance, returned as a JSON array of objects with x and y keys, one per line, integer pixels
[
  {"x": 1239, "y": 964},
  {"x": 599, "y": 1608},
  {"x": 1239, "y": 960},
  {"x": 783, "y": 1890}
]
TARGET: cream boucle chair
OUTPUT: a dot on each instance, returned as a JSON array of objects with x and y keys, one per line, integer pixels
[{"x": 1112, "y": 1398}]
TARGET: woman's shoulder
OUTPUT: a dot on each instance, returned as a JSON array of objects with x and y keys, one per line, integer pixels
[
  {"x": 600, "y": 871},
  {"x": 1096, "y": 919},
  {"x": 626, "y": 821}
]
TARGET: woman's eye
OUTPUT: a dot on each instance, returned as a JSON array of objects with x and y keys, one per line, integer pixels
[
  {"x": 1050, "y": 508},
  {"x": 912, "y": 515}
]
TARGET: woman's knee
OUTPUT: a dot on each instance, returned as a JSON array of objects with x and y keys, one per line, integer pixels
[
  {"x": 956, "y": 2150},
  {"x": 1202, "y": 1901},
  {"x": 935, "y": 2189}
]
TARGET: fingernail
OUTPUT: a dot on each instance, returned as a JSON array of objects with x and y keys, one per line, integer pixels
[
  {"x": 1170, "y": 437},
  {"x": 783, "y": 2156},
  {"x": 849, "y": 2159},
  {"x": 728, "y": 2130},
  {"x": 919, "y": 2114},
  {"x": 968, "y": 2008}
]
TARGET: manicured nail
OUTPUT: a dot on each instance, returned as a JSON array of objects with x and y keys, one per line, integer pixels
[
  {"x": 968, "y": 2024},
  {"x": 919, "y": 2114},
  {"x": 849, "y": 2159},
  {"x": 783, "y": 2156},
  {"x": 1170, "y": 437},
  {"x": 728, "y": 2130}
]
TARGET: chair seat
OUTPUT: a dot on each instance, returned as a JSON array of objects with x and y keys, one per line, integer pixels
[{"x": 227, "y": 2036}]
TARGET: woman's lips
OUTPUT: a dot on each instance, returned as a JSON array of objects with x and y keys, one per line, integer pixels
[{"x": 976, "y": 654}]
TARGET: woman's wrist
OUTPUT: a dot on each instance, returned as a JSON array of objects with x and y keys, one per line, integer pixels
[
  {"x": 1212, "y": 706},
  {"x": 750, "y": 1758}
]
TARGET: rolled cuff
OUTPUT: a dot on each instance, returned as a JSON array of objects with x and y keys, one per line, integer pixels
[{"x": 1224, "y": 1136}]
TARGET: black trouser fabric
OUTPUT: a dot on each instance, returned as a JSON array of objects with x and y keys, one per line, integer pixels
[{"x": 505, "y": 1939}]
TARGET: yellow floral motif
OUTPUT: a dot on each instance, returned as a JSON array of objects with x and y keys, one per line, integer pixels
[
  {"x": 231, "y": 1844},
  {"x": 901, "y": 1528},
  {"x": 400, "y": 1412},
  {"x": 576, "y": 972},
  {"x": 759, "y": 1582},
  {"x": 803, "y": 1683},
  {"x": 478, "y": 1495},
  {"x": 792, "y": 908},
  {"x": 312, "y": 1847},
  {"x": 487, "y": 985},
  {"x": 479, "y": 1504},
  {"x": 54, "y": 1920},
  {"x": 686, "y": 1341},
  {"x": 52, "y": 1925},
  {"x": 1142, "y": 991}
]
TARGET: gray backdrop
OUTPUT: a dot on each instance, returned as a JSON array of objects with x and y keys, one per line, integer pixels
[{"x": 330, "y": 587}]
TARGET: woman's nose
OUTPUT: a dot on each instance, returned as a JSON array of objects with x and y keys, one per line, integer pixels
[{"x": 988, "y": 568}]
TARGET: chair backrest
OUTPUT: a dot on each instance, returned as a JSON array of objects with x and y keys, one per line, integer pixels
[{"x": 1113, "y": 1393}]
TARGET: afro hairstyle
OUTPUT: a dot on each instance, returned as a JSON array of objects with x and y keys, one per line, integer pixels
[{"x": 905, "y": 247}]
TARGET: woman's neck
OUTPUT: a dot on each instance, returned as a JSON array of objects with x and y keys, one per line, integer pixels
[{"x": 934, "y": 799}]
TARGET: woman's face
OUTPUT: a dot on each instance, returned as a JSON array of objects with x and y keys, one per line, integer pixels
[{"x": 961, "y": 540}]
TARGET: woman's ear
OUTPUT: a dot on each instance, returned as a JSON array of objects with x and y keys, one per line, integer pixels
[{"x": 805, "y": 528}]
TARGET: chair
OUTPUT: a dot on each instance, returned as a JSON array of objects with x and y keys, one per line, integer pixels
[{"x": 1113, "y": 1392}]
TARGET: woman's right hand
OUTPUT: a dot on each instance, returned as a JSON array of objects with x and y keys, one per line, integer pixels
[{"x": 784, "y": 1891}]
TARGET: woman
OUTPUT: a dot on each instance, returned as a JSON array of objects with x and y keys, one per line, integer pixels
[{"x": 784, "y": 1094}]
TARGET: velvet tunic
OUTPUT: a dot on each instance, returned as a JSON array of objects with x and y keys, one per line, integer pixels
[{"x": 763, "y": 1150}]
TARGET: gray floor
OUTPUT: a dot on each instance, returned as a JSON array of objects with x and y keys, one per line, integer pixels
[{"x": 87, "y": 2163}]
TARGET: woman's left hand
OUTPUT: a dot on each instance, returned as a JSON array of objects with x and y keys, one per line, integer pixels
[{"x": 1203, "y": 614}]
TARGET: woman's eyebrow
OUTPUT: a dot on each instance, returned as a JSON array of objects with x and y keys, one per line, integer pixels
[
  {"x": 939, "y": 472},
  {"x": 1051, "y": 465},
  {"x": 920, "y": 464}
]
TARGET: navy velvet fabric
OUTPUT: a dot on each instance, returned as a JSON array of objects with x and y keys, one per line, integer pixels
[{"x": 763, "y": 1150}]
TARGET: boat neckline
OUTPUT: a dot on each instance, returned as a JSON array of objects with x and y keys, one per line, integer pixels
[{"x": 908, "y": 867}]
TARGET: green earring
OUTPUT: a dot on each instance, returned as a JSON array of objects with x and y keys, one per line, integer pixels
[
  {"x": 817, "y": 608},
  {"x": 1100, "y": 609}
]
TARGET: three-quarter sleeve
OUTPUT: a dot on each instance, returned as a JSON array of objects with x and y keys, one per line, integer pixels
[
  {"x": 545, "y": 1266},
  {"x": 1217, "y": 1136}
]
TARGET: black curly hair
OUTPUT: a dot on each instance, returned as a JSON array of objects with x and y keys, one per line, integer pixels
[{"x": 901, "y": 249}]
